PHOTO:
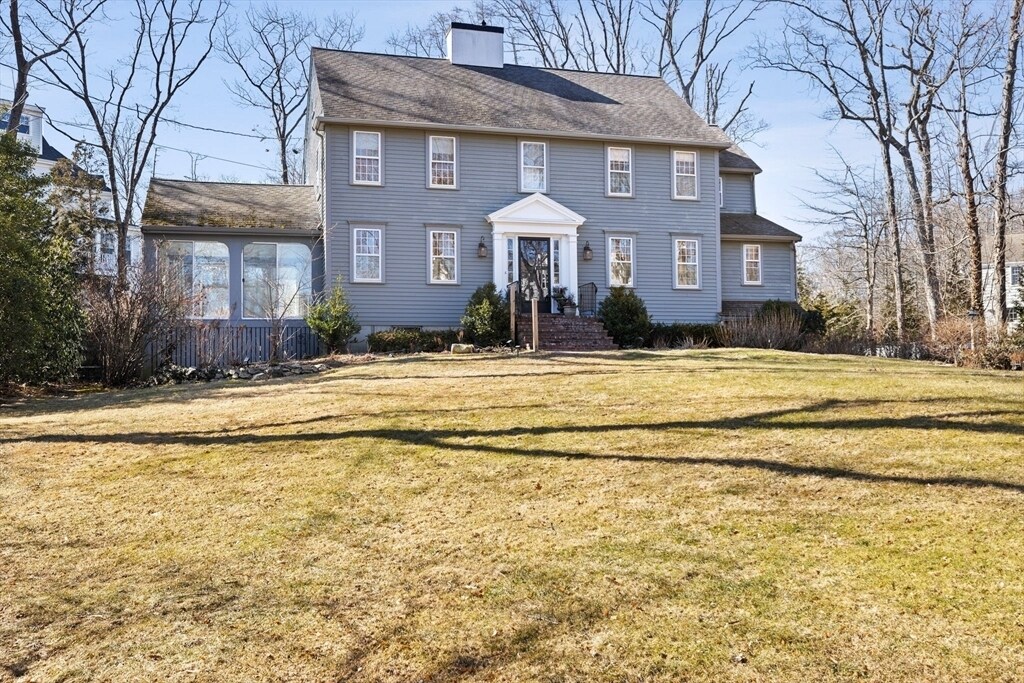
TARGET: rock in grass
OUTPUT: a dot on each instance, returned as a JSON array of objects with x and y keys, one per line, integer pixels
[{"x": 462, "y": 348}]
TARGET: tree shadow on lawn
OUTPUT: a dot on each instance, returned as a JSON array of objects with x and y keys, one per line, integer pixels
[{"x": 455, "y": 439}]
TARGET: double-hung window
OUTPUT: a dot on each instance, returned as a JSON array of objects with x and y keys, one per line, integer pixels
[
  {"x": 366, "y": 158},
  {"x": 199, "y": 271},
  {"x": 444, "y": 257},
  {"x": 687, "y": 264},
  {"x": 751, "y": 264},
  {"x": 367, "y": 255},
  {"x": 442, "y": 161},
  {"x": 277, "y": 280},
  {"x": 533, "y": 170},
  {"x": 684, "y": 169},
  {"x": 1016, "y": 275},
  {"x": 620, "y": 261},
  {"x": 620, "y": 171}
]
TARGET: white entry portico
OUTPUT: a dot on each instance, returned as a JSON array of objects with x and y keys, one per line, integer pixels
[{"x": 536, "y": 216}]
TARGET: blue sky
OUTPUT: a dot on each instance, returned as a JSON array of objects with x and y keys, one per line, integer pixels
[{"x": 797, "y": 141}]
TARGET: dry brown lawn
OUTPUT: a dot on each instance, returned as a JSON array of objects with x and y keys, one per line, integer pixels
[{"x": 664, "y": 516}]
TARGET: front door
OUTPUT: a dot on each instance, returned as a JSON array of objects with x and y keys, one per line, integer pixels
[{"x": 535, "y": 270}]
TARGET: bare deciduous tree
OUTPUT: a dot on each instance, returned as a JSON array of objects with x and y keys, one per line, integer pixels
[
  {"x": 126, "y": 103},
  {"x": 271, "y": 50},
  {"x": 38, "y": 32}
]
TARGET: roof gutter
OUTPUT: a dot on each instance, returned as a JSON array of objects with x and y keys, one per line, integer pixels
[
  {"x": 227, "y": 231},
  {"x": 760, "y": 238},
  {"x": 427, "y": 125}
]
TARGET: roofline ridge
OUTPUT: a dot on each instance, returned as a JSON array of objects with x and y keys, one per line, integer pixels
[{"x": 226, "y": 182}]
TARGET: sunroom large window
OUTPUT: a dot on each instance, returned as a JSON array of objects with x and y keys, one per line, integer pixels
[
  {"x": 199, "y": 270},
  {"x": 277, "y": 280}
]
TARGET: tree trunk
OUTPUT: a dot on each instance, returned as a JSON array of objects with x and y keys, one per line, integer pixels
[
  {"x": 925, "y": 239},
  {"x": 893, "y": 219},
  {"x": 973, "y": 223},
  {"x": 283, "y": 151},
  {"x": 22, "y": 66},
  {"x": 1002, "y": 158}
]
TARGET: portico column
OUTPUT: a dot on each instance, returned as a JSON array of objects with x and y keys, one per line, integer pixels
[
  {"x": 573, "y": 264},
  {"x": 498, "y": 250}
]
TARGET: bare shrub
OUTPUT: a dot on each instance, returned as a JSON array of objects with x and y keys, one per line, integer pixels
[
  {"x": 771, "y": 329},
  {"x": 951, "y": 340},
  {"x": 122, "y": 321}
]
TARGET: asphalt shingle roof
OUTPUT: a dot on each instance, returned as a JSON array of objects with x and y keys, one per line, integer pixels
[
  {"x": 752, "y": 225},
  {"x": 357, "y": 86},
  {"x": 736, "y": 158},
  {"x": 1014, "y": 246},
  {"x": 230, "y": 205}
]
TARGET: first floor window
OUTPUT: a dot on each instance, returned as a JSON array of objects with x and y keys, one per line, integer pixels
[
  {"x": 751, "y": 264},
  {"x": 620, "y": 261},
  {"x": 199, "y": 271},
  {"x": 687, "y": 269},
  {"x": 533, "y": 158},
  {"x": 367, "y": 251},
  {"x": 442, "y": 161},
  {"x": 620, "y": 171},
  {"x": 685, "y": 175},
  {"x": 366, "y": 158},
  {"x": 1017, "y": 275},
  {"x": 510, "y": 259},
  {"x": 443, "y": 256},
  {"x": 277, "y": 280}
]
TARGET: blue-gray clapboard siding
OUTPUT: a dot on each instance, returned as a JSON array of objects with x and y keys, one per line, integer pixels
[
  {"x": 778, "y": 268},
  {"x": 488, "y": 181},
  {"x": 738, "y": 193}
]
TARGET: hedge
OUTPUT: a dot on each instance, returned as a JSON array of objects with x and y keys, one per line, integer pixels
[{"x": 399, "y": 340}]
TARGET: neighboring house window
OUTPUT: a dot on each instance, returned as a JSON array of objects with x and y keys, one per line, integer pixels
[
  {"x": 1017, "y": 276},
  {"x": 23, "y": 123},
  {"x": 751, "y": 264},
  {"x": 620, "y": 171},
  {"x": 620, "y": 261},
  {"x": 108, "y": 245},
  {"x": 533, "y": 175},
  {"x": 277, "y": 280},
  {"x": 687, "y": 264},
  {"x": 1012, "y": 315},
  {"x": 444, "y": 256},
  {"x": 442, "y": 161},
  {"x": 199, "y": 271},
  {"x": 366, "y": 158},
  {"x": 685, "y": 175},
  {"x": 367, "y": 255}
]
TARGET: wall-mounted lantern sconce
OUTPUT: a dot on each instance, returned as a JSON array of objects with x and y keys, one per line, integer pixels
[
  {"x": 588, "y": 253},
  {"x": 481, "y": 249}
]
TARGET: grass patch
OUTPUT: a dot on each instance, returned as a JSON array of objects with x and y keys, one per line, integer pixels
[{"x": 715, "y": 515}]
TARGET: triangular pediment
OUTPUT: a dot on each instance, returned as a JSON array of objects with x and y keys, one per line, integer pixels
[{"x": 537, "y": 209}]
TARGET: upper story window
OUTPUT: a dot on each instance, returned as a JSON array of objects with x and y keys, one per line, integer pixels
[
  {"x": 620, "y": 171},
  {"x": 1017, "y": 275},
  {"x": 277, "y": 280},
  {"x": 444, "y": 261},
  {"x": 533, "y": 171},
  {"x": 23, "y": 123},
  {"x": 687, "y": 264},
  {"x": 620, "y": 261},
  {"x": 442, "y": 161},
  {"x": 367, "y": 255},
  {"x": 367, "y": 157},
  {"x": 199, "y": 270},
  {"x": 751, "y": 264},
  {"x": 684, "y": 167}
]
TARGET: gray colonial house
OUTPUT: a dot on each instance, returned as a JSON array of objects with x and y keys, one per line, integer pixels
[{"x": 430, "y": 177}]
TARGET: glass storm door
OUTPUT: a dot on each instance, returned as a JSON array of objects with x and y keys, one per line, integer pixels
[{"x": 535, "y": 270}]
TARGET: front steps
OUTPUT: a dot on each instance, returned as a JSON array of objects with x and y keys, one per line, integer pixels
[{"x": 565, "y": 333}]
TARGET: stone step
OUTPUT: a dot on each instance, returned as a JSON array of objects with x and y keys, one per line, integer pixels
[{"x": 566, "y": 333}]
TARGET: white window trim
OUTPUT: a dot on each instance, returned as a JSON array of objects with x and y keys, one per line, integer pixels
[
  {"x": 696, "y": 175},
  {"x": 380, "y": 241},
  {"x": 277, "y": 267},
  {"x": 430, "y": 162},
  {"x": 675, "y": 261},
  {"x": 431, "y": 231},
  {"x": 192, "y": 288},
  {"x": 632, "y": 259},
  {"x": 522, "y": 166},
  {"x": 608, "y": 172},
  {"x": 379, "y": 157},
  {"x": 760, "y": 264}
]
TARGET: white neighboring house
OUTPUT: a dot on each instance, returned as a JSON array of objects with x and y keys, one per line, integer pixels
[
  {"x": 30, "y": 131},
  {"x": 1014, "y": 276}
]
